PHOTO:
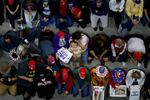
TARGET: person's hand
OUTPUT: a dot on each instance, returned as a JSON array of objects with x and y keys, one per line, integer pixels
[
  {"x": 45, "y": 19},
  {"x": 1, "y": 79},
  {"x": 117, "y": 57},
  {"x": 66, "y": 93},
  {"x": 48, "y": 82},
  {"x": 83, "y": 7},
  {"x": 80, "y": 20},
  {"x": 39, "y": 84},
  {"x": 56, "y": 56},
  {"x": 30, "y": 79},
  {"x": 12, "y": 13},
  {"x": 61, "y": 19},
  {"x": 9, "y": 79},
  {"x": 149, "y": 91}
]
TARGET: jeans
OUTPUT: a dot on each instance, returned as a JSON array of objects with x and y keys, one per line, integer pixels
[
  {"x": 128, "y": 24},
  {"x": 84, "y": 92},
  {"x": 144, "y": 21},
  {"x": 61, "y": 88},
  {"x": 122, "y": 58},
  {"x": 85, "y": 56}
]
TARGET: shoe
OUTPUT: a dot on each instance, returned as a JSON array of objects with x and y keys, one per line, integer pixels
[
  {"x": 101, "y": 28},
  {"x": 123, "y": 63},
  {"x": 27, "y": 98},
  {"x": 120, "y": 29},
  {"x": 139, "y": 65},
  {"x": 95, "y": 29},
  {"x": 14, "y": 29},
  {"x": 10, "y": 26},
  {"x": 90, "y": 61}
]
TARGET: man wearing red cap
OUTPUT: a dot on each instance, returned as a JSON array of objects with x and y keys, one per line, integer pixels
[
  {"x": 119, "y": 50},
  {"x": 61, "y": 39},
  {"x": 63, "y": 19},
  {"x": 53, "y": 63},
  {"x": 79, "y": 16},
  {"x": 64, "y": 80},
  {"x": 81, "y": 82},
  {"x": 27, "y": 74}
]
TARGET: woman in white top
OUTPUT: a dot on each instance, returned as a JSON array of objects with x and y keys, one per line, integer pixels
[
  {"x": 83, "y": 41},
  {"x": 116, "y": 10}
]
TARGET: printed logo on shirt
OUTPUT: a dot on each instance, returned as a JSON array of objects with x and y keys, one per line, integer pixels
[{"x": 62, "y": 42}]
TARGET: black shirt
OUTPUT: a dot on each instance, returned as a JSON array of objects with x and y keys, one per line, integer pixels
[
  {"x": 147, "y": 6},
  {"x": 13, "y": 6},
  {"x": 12, "y": 73}
]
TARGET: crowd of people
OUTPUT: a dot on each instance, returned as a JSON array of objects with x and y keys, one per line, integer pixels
[{"x": 40, "y": 68}]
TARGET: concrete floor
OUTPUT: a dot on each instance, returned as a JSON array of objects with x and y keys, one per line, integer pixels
[{"x": 111, "y": 30}]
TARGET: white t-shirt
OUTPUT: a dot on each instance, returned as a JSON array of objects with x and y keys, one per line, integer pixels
[
  {"x": 136, "y": 44},
  {"x": 114, "y": 6},
  {"x": 84, "y": 41},
  {"x": 130, "y": 80}
]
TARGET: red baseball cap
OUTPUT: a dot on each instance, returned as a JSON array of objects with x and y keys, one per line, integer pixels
[
  {"x": 51, "y": 59},
  {"x": 32, "y": 65},
  {"x": 82, "y": 73},
  {"x": 137, "y": 55},
  {"x": 76, "y": 11},
  {"x": 61, "y": 34}
]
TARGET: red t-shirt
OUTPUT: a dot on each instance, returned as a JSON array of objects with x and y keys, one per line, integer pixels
[{"x": 63, "y": 8}]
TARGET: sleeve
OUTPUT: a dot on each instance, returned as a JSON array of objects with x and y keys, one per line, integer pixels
[
  {"x": 106, "y": 7},
  {"x": 55, "y": 43},
  {"x": 122, "y": 5},
  {"x": 129, "y": 46},
  {"x": 123, "y": 49},
  {"x": 128, "y": 8},
  {"x": 147, "y": 81},
  {"x": 1, "y": 43},
  {"x": 113, "y": 50},
  {"x": 22, "y": 70},
  {"x": 84, "y": 40},
  {"x": 111, "y": 5},
  {"x": 69, "y": 84},
  {"x": 128, "y": 80},
  {"x": 142, "y": 79},
  {"x": 67, "y": 39},
  {"x": 14, "y": 71}
]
